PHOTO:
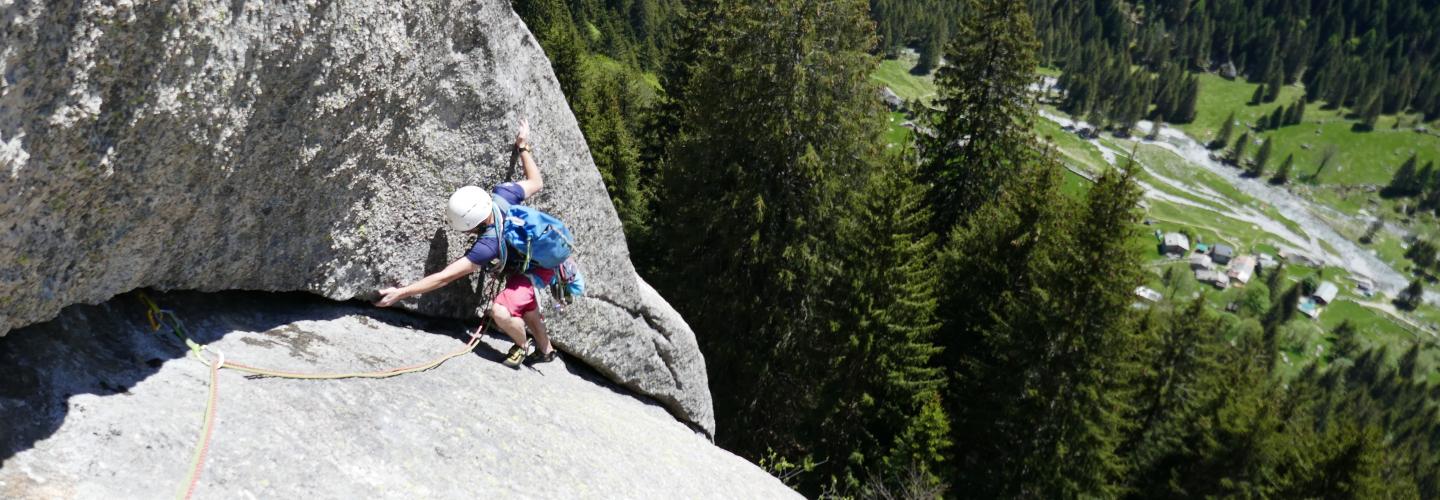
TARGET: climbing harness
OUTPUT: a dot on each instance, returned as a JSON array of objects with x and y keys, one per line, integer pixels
[{"x": 159, "y": 317}]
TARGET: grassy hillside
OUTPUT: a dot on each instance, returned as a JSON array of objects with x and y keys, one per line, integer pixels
[
  {"x": 895, "y": 73},
  {"x": 1361, "y": 157},
  {"x": 1220, "y": 97}
]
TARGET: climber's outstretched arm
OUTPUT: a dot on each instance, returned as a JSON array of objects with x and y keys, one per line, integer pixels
[
  {"x": 456, "y": 270},
  {"x": 533, "y": 181}
]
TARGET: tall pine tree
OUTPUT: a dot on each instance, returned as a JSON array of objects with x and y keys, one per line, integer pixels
[
  {"x": 1237, "y": 155},
  {"x": 1262, "y": 157},
  {"x": 1282, "y": 175},
  {"x": 1222, "y": 138},
  {"x": 774, "y": 129},
  {"x": 983, "y": 133},
  {"x": 1037, "y": 335},
  {"x": 889, "y": 397}
]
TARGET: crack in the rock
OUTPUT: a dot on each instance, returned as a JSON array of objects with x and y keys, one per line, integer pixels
[
  {"x": 668, "y": 399},
  {"x": 649, "y": 320},
  {"x": 669, "y": 362}
]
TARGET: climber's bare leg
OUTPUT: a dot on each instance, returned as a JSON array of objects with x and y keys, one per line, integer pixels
[
  {"x": 537, "y": 328},
  {"x": 512, "y": 326}
]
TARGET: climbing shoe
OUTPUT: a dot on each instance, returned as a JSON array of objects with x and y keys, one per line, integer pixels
[
  {"x": 536, "y": 357},
  {"x": 516, "y": 356}
]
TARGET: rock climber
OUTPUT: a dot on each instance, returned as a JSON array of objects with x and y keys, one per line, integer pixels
[{"x": 515, "y": 307}]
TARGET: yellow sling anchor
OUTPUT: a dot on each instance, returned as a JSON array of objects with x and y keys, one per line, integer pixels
[{"x": 164, "y": 317}]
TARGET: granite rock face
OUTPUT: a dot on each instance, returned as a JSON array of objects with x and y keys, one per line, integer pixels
[
  {"x": 298, "y": 146},
  {"x": 95, "y": 405}
]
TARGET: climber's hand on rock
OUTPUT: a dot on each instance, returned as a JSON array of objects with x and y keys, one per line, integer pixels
[
  {"x": 389, "y": 296},
  {"x": 522, "y": 136}
]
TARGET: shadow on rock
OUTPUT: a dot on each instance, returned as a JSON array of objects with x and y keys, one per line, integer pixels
[{"x": 107, "y": 349}]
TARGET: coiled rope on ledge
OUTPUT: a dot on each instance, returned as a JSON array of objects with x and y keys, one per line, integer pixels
[{"x": 159, "y": 317}]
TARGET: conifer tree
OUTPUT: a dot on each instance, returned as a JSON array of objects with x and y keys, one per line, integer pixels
[
  {"x": 984, "y": 133},
  {"x": 923, "y": 442},
  {"x": 1282, "y": 175},
  {"x": 553, "y": 25},
  {"x": 764, "y": 71},
  {"x": 1409, "y": 362},
  {"x": 1411, "y": 297},
  {"x": 1097, "y": 119},
  {"x": 1425, "y": 177},
  {"x": 1041, "y": 336},
  {"x": 1277, "y": 118},
  {"x": 1273, "y": 86},
  {"x": 1281, "y": 312},
  {"x": 617, "y": 154},
  {"x": 1347, "y": 342},
  {"x": 1259, "y": 96},
  {"x": 1374, "y": 229},
  {"x": 885, "y": 408},
  {"x": 1092, "y": 376},
  {"x": 1431, "y": 191},
  {"x": 1367, "y": 397},
  {"x": 1431, "y": 199},
  {"x": 1172, "y": 394},
  {"x": 1370, "y": 113},
  {"x": 931, "y": 49},
  {"x": 1237, "y": 155},
  {"x": 1222, "y": 138},
  {"x": 1189, "y": 101},
  {"x": 1422, "y": 253},
  {"x": 1325, "y": 158},
  {"x": 1229, "y": 448},
  {"x": 1406, "y": 180},
  {"x": 1262, "y": 157},
  {"x": 993, "y": 264},
  {"x": 1275, "y": 282}
]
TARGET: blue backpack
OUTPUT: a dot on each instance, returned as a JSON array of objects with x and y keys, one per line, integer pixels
[{"x": 543, "y": 239}]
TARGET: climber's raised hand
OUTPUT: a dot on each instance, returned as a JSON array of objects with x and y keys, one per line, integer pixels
[{"x": 523, "y": 135}]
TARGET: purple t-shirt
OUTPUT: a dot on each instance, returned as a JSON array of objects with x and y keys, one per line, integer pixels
[{"x": 486, "y": 251}]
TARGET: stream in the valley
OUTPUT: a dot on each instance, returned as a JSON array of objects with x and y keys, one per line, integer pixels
[{"x": 1337, "y": 250}]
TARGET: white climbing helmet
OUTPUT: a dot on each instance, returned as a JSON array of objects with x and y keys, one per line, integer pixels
[{"x": 468, "y": 207}]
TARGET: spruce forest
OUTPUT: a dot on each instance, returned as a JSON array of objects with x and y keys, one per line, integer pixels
[{"x": 946, "y": 315}]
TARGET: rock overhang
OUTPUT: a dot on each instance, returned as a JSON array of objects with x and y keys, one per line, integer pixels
[{"x": 299, "y": 147}]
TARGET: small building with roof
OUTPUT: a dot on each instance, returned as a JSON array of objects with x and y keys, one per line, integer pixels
[
  {"x": 1267, "y": 261},
  {"x": 1212, "y": 277},
  {"x": 1200, "y": 261},
  {"x": 1325, "y": 293},
  {"x": 1148, "y": 293},
  {"x": 1242, "y": 268},
  {"x": 1175, "y": 244},
  {"x": 1222, "y": 253}
]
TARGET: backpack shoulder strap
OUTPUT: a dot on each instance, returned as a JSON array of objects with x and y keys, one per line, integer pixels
[{"x": 499, "y": 210}]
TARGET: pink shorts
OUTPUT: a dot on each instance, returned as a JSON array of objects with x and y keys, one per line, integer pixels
[{"x": 518, "y": 297}]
